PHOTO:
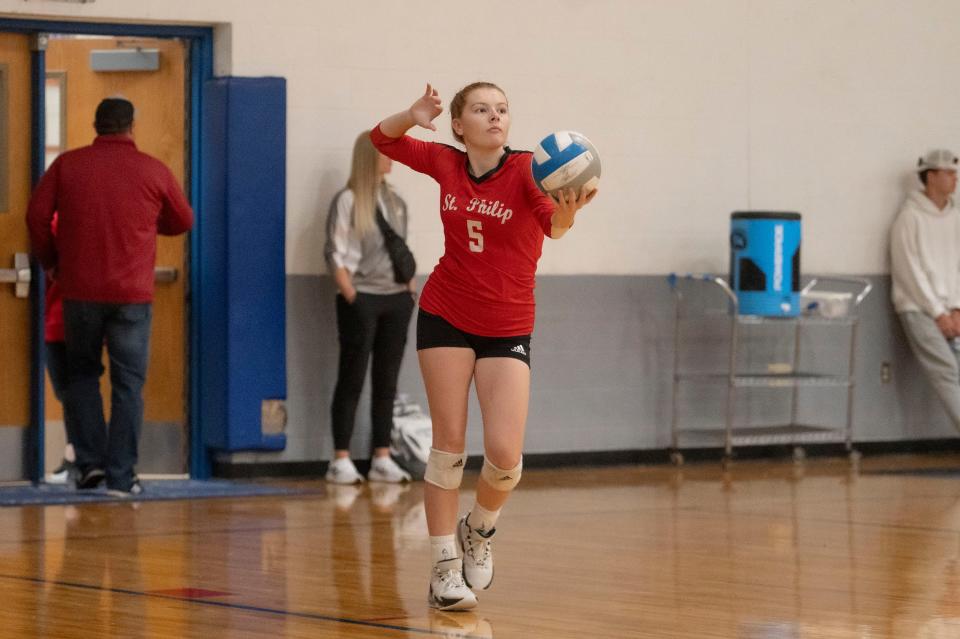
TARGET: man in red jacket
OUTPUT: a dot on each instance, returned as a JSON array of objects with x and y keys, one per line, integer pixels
[{"x": 111, "y": 201}]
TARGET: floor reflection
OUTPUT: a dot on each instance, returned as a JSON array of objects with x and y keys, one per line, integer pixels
[
  {"x": 459, "y": 625},
  {"x": 85, "y": 564},
  {"x": 763, "y": 551},
  {"x": 363, "y": 550}
]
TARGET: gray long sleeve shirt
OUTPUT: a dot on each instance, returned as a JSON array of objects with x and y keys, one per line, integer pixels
[{"x": 365, "y": 258}]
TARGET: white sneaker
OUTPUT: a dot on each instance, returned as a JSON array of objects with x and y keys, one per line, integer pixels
[
  {"x": 342, "y": 471},
  {"x": 386, "y": 470},
  {"x": 477, "y": 555},
  {"x": 447, "y": 589}
]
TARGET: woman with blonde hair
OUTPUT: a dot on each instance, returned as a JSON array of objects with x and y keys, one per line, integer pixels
[{"x": 373, "y": 310}]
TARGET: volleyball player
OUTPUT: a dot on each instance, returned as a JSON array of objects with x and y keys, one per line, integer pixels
[{"x": 476, "y": 317}]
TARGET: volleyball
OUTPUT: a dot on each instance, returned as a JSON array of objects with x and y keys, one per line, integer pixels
[{"x": 566, "y": 160}]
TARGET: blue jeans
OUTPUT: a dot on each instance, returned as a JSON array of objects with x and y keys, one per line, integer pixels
[{"x": 126, "y": 330}]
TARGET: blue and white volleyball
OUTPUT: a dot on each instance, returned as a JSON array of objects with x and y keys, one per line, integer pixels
[{"x": 566, "y": 160}]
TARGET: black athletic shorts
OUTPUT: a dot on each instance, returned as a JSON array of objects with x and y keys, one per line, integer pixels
[{"x": 433, "y": 331}]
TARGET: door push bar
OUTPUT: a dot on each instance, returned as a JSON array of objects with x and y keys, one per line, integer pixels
[
  {"x": 19, "y": 275},
  {"x": 165, "y": 274}
]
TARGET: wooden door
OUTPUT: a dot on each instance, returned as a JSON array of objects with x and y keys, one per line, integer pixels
[
  {"x": 160, "y": 130},
  {"x": 14, "y": 196}
]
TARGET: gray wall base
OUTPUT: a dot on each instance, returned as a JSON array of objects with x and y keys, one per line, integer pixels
[
  {"x": 14, "y": 442},
  {"x": 602, "y": 357},
  {"x": 162, "y": 449}
]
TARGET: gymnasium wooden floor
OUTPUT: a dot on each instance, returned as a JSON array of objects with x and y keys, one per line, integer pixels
[{"x": 769, "y": 550}]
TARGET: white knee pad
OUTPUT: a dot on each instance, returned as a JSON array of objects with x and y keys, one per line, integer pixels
[
  {"x": 501, "y": 479},
  {"x": 445, "y": 469}
]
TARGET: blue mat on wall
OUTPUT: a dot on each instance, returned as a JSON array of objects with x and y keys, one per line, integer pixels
[{"x": 158, "y": 490}]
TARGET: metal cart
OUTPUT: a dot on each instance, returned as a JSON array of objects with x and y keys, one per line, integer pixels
[{"x": 786, "y": 376}]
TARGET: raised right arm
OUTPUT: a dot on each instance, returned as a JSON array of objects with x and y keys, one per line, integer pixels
[{"x": 421, "y": 113}]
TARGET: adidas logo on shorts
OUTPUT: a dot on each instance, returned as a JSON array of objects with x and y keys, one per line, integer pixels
[{"x": 519, "y": 349}]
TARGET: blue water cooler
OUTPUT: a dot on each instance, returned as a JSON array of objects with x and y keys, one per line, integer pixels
[{"x": 765, "y": 262}]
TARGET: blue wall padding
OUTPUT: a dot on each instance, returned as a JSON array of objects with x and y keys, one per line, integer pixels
[{"x": 242, "y": 300}]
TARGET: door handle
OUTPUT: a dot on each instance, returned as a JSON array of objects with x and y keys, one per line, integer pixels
[
  {"x": 19, "y": 275},
  {"x": 165, "y": 274}
]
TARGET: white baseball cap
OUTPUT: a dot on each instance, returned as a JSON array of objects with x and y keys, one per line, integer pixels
[{"x": 939, "y": 159}]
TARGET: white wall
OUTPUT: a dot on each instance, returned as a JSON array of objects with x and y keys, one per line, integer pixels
[{"x": 698, "y": 108}]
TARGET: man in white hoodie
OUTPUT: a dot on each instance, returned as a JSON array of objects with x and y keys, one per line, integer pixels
[{"x": 925, "y": 268}]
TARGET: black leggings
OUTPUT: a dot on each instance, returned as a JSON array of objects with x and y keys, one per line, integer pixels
[{"x": 377, "y": 325}]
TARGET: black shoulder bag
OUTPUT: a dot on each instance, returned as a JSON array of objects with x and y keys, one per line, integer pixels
[{"x": 404, "y": 264}]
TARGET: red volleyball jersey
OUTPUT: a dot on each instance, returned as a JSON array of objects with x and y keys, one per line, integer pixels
[{"x": 493, "y": 228}]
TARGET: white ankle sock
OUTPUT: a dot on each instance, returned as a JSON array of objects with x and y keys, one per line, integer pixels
[
  {"x": 482, "y": 519},
  {"x": 443, "y": 547}
]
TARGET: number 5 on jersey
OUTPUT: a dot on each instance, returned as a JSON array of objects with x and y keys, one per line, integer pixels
[{"x": 476, "y": 237}]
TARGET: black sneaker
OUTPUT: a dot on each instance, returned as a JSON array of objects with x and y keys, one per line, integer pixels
[
  {"x": 90, "y": 479},
  {"x": 135, "y": 490}
]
